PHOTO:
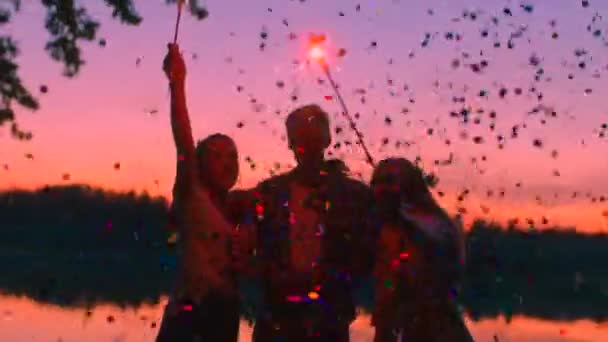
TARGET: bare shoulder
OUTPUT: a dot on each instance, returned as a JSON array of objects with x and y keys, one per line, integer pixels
[
  {"x": 273, "y": 184},
  {"x": 275, "y": 180},
  {"x": 357, "y": 185},
  {"x": 356, "y": 189}
]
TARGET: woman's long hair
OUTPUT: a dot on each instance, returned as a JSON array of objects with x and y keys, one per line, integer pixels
[
  {"x": 413, "y": 186},
  {"x": 416, "y": 192}
]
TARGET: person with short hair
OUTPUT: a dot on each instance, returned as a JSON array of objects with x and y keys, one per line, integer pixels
[{"x": 311, "y": 221}]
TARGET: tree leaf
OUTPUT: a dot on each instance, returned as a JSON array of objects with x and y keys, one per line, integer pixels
[
  {"x": 6, "y": 115},
  {"x": 125, "y": 11},
  {"x": 68, "y": 24}
]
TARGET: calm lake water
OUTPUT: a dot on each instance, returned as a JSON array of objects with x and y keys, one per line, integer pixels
[{"x": 22, "y": 319}]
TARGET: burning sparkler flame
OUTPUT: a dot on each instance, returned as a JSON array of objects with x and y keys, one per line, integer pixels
[
  {"x": 317, "y": 53},
  {"x": 316, "y": 48}
]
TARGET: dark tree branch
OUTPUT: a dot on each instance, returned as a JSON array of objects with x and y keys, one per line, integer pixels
[
  {"x": 68, "y": 25},
  {"x": 5, "y": 16},
  {"x": 11, "y": 87},
  {"x": 125, "y": 11}
]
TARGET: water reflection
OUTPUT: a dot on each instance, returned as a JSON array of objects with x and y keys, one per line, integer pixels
[
  {"x": 22, "y": 319},
  {"x": 70, "y": 254}
]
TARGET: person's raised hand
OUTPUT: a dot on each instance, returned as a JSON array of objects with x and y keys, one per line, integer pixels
[{"x": 174, "y": 65}]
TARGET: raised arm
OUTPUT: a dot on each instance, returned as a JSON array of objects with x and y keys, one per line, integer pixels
[{"x": 175, "y": 68}]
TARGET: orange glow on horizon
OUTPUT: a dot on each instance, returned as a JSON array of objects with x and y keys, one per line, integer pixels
[{"x": 584, "y": 218}]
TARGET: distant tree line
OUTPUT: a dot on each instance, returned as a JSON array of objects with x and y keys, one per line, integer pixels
[
  {"x": 76, "y": 244},
  {"x": 79, "y": 217}
]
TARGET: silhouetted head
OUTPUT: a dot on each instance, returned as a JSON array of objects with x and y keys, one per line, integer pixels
[
  {"x": 396, "y": 181},
  {"x": 308, "y": 135},
  {"x": 218, "y": 162}
]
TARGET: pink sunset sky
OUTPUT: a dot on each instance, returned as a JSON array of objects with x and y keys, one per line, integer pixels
[{"x": 116, "y": 109}]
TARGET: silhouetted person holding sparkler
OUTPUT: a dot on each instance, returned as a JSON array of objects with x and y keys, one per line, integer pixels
[
  {"x": 311, "y": 229},
  {"x": 419, "y": 262},
  {"x": 204, "y": 305}
]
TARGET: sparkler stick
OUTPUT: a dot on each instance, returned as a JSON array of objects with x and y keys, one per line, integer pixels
[
  {"x": 180, "y": 5},
  {"x": 317, "y": 53}
]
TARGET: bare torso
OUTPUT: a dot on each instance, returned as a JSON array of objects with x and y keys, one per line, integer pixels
[{"x": 204, "y": 260}]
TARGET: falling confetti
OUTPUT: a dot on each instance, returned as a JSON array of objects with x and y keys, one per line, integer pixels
[
  {"x": 527, "y": 8},
  {"x": 554, "y": 154},
  {"x": 478, "y": 140}
]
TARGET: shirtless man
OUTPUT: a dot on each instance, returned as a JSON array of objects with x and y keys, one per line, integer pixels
[{"x": 311, "y": 239}]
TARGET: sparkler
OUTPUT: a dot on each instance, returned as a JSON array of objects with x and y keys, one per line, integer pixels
[{"x": 317, "y": 53}]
